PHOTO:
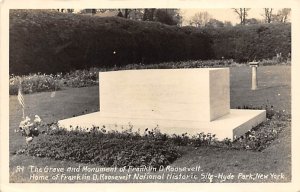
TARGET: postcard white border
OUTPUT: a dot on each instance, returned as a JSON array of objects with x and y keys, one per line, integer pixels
[{"x": 41, "y": 4}]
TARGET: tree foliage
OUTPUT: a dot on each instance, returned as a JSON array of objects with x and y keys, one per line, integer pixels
[
  {"x": 252, "y": 21},
  {"x": 268, "y": 15},
  {"x": 242, "y": 14},
  {"x": 168, "y": 16},
  {"x": 227, "y": 24},
  {"x": 283, "y": 15},
  {"x": 200, "y": 19},
  {"x": 65, "y": 10},
  {"x": 214, "y": 23}
]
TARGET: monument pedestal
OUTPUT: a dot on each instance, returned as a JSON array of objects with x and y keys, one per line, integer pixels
[{"x": 175, "y": 101}]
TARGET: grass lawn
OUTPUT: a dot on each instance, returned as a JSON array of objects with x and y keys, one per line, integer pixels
[{"x": 274, "y": 84}]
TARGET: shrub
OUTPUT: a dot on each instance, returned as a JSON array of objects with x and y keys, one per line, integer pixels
[
  {"x": 275, "y": 61},
  {"x": 50, "y": 42},
  {"x": 246, "y": 43},
  {"x": 81, "y": 78},
  {"x": 33, "y": 83}
]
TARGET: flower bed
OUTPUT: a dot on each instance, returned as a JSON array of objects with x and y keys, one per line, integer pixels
[
  {"x": 41, "y": 82},
  {"x": 105, "y": 149},
  {"x": 260, "y": 137},
  {"x": 33, "y": 83},
  {"x": 134, "y": 149},
  {"x": 82, "y": 78}
]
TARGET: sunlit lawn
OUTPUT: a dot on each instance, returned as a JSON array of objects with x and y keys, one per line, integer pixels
[{"x": 274, "y": 90}]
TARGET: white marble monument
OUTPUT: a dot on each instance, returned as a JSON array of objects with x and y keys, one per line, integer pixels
[{"x": 176, "y": 101}]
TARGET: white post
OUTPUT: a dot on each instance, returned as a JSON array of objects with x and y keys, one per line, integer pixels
[
  {"x": 254, "y": 66},
  {"x": 254, "y": 79}
]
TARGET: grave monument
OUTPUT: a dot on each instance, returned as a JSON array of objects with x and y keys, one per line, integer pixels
[{"x": 175, "y": 101}]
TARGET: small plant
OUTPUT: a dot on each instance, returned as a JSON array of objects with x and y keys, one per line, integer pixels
[
  {"x": 263, "y": 135},
  {"x": 30, "y": 129},
  {"x": 204, "y": 139},
  {"x": 181, "y": 140}
]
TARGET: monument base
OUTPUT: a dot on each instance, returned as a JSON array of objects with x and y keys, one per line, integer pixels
[{"x": 231, "y": 126}]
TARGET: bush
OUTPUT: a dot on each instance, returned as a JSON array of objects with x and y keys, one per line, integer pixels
[
  {"x": 246, "y": 43},
  {"x": 275, "y": 61},
  {"x": 33, "y": 83},
  {"x": 50, "y": 42},
  {"x": 81, "y": 78}
]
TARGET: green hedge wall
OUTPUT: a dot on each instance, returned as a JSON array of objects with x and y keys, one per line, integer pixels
[
  {"x": 48, "y": 41},
  {"x": 245, "y": 43}
]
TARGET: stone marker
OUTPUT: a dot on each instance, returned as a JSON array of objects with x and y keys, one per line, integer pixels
[{"x": 175, "y": 101}]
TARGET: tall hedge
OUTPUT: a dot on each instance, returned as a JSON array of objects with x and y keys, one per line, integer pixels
[
  {"x": 48, "y": 41},
  {"x": 245, "y": 43}
]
